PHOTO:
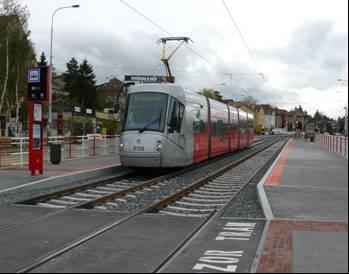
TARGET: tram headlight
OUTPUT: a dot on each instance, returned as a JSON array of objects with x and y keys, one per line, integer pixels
[
  {"x": 159, "y": 146},
  {"x": 121, "y": 146}
]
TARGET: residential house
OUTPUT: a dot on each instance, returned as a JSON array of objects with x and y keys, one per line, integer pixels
[
  {"x": 281, "y": 118},
  {"x": 297, "y": 119}
]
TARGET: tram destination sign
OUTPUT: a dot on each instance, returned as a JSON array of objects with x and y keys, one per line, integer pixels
[{"x": 146, "y": 79}]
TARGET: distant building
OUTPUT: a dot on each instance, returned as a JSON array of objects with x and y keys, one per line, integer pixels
[
  {"x": 281, "y": 118},
  {"x": 259, "y": 117},
  {"x": 297, "y": 119},
  {"x": 107, "y": 96}
]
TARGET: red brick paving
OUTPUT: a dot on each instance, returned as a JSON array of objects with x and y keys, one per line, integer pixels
[
  {"x": 277, "y": 253},
  {"x": 275, "y": 176}
]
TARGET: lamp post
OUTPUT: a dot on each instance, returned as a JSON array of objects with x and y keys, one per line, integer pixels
[{"x": 51, "y": 57}]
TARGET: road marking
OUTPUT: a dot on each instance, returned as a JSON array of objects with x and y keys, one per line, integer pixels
[{"x": 226, "y": 260}]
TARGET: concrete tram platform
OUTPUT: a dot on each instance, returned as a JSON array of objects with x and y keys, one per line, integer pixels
[
  {"x": 17, "y": 180},
  {"x": 306, "y": 204}
]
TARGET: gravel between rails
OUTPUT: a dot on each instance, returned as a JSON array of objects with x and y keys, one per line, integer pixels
[
  {"x": 141, "y": 199},
  {"x": 246, "y": 204},
  {"x": 231, "y": 183}
]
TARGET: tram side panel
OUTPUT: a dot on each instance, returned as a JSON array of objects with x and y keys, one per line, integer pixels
[
  {"x": 243, "y": 129},
  {"x": 175, "y": 150},
  {"x": 219, "y": 129},
  {"x": 234, "y": 129},
  {"x": 250, "y": 129},
  {"x": 200, "y": 127}
]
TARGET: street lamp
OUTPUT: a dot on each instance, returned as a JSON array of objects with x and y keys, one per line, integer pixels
[
  {"x": 50, "y": 99},
  {"x": 342, "y": 80}
]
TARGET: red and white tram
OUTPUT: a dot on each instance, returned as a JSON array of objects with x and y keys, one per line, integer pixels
[{"x": 169, "y": 126}]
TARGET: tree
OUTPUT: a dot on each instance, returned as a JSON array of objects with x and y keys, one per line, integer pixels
[
  {"x": 87, "y": 85},
  {"x": 80, "y": 126},
  {"x": 71, "y": 77},
  {"x": 43, "y": 61},
  {"x": 250, "y": 100},
  {"x": 80, "y": 82},
  {"x": 12, "y": 7},
  {"x": 212, "y": 94},
  {"x": 16, "y": 54}
]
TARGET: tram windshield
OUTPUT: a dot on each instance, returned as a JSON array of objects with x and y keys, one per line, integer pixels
[{"x": 146, "y": 111}]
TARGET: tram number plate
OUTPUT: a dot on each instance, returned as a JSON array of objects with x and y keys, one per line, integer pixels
[{"x": 138, "y": 148}]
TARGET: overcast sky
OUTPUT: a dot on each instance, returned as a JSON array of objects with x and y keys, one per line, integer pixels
[{"x": 300, "y": 46}]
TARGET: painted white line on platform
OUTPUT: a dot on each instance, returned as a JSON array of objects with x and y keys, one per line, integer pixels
[{"x": 55, "y": 177}]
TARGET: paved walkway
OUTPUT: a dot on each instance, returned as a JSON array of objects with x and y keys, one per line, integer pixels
[
  {"x": 16, "y": 176},
  {"x": 308, "y": 194}
]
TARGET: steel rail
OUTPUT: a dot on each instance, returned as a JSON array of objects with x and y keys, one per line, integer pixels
[
  {"x": 209, "y": 219},
  {"x": 201, "y": 182},
  {"x": 105, "y": 198},
  {"x": 75, "y": 189},
  {"x": 91, "y": 204},
  {"x": 148, "y": 209}
]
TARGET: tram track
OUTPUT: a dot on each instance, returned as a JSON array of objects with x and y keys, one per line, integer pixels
[
  {"x": 116, "y": 188},
  {"x": 94, "y": 193},
  {"x": 163, "y": 205}
]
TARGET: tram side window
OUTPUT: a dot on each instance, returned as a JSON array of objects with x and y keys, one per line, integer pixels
[
  {"x": 234, "y": 122},
  {"x": 176, "y": 115},
  {"x": 250, "y": 123},
  {"x": 198, "y": 122},
  {"x": 220, "y": 129}
]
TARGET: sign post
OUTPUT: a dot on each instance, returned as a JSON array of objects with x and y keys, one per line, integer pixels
[{"x": 38, "y": 89}]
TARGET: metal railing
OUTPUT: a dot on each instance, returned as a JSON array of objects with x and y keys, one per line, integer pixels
[
  {"x": 15, "y": 151},
  {"x": 338, "y": 144}
]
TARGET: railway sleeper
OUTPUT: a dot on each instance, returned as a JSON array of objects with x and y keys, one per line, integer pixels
[
  {"x": 217, "y": 190},
  {"x": 74, "y": 199},
  {"x": 214, "y": 193},
  {"x": 61, "y": 202},
  {"x": 191, "y": 210},
  {"x": 195, "y": 200},
  {"x": 50, "y": 206},
  {"x": 210, "y": 197},
  {"x": 199, "y": 205},
  {"x": 86, "y": 195},
  {"x": 217, "y": 186},
  {"x": 183, "y": 215},
  {"x": 98, "y": 192}
]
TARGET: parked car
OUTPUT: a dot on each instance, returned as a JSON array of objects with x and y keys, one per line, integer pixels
[{"x": 279, "y": 131}]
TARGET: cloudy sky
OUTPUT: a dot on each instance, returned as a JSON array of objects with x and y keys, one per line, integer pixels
[{"x": 300, "y": 46}]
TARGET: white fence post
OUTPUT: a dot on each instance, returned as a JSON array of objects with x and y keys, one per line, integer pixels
[
  {"x": 21, "y": 150},
  {"x": 83, "y": 147}
]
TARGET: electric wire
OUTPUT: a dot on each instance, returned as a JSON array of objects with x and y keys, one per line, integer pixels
[
  {"x": 259, "y": 71},
  {"x": 188, "y": 47}
]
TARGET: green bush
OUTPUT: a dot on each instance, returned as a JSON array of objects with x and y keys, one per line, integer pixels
[
  {"x": 112, "y": 127},
  {"x": 80, "y": 126}
]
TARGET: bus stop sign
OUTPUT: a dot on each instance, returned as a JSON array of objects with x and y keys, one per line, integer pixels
[{"x": 38, "y": 84}]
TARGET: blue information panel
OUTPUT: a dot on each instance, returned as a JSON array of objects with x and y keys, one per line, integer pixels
[{"x": 38, "y": 84}]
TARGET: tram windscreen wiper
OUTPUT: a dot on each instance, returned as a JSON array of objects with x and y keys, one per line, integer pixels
[{"x": 152, "y": 122}]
